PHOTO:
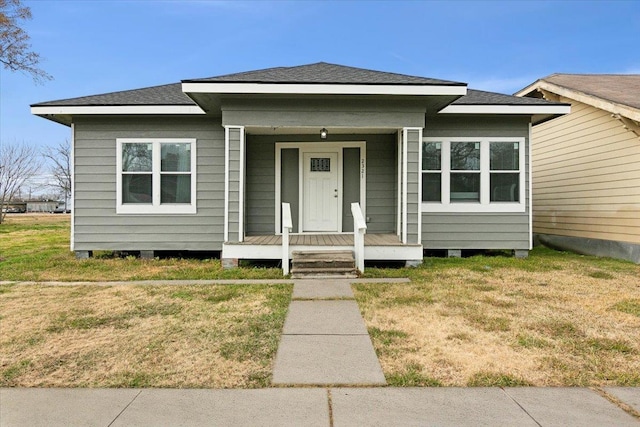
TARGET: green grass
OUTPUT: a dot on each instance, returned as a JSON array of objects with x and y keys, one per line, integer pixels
[
  {"x": 630, "y": 306},
  {"x": 495, "y": 379},
  {"x": 412, "y": 376},
  {"x": 37, "y": 249}
]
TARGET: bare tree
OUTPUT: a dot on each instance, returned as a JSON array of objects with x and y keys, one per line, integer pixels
[
  {"x": 18, "y": 163},
  {"x": 15, "y": 49},
  {"x": 59, "y": 158}
]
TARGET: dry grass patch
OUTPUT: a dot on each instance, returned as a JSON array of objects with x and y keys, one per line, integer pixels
[
  {"x": 140, "y": 336},
  {"x": 554, "y": 319}
]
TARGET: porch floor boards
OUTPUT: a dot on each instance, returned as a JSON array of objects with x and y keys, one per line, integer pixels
[{"x": 323, "y": 240}]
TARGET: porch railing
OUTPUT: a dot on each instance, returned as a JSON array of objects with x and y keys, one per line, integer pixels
[
  {"x": 287, "y": 226},
  {"x": 359, "y": 230}
]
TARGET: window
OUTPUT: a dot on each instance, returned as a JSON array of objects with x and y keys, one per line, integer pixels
[
  {"x": 156, "y": 176},
  {"x": 473, "y": 174}
]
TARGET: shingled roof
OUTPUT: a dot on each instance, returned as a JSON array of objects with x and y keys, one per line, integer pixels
[
  {"x": 319, "y": 73},
  {"x": 170, "y": 94},
  {"x": 324, "y": 73},
  {"x": 480, "y": 97},
  {"x": 618, "y": 88}
]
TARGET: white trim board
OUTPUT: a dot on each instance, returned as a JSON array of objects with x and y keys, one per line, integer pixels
[
  {"x": 506, "y": 109},
  {"x": 117, "y": 109},
  {"x": 322, "y": 89}
]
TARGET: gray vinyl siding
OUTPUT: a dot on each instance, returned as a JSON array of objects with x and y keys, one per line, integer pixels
[
  {"x": 289, "y": 182},
  {"x": 235, "y": 140},
  {"x": 382, "y": 185},
  {"x": 413, "y": 188},
  {"x": 96, "y": 224},
  {"x": 478, "y": 230},
  {"x": 381, "y": 196},
  {"x": 271, "y": 112},
  {"x": 350, "y": 184}
]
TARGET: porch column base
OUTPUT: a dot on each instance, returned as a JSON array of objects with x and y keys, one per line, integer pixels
[
  {"x": 454, "y": 253},
  {"x": 146, "y": 254},
  {"x": 83, "y": 254},
  {"x": 228, "y": 263},
  {"x": 521, "y": 253}
]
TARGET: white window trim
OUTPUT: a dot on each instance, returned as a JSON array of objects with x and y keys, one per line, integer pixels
[
  {"x": 484, "y": 206},
  {"x": 155, "y": 208}
]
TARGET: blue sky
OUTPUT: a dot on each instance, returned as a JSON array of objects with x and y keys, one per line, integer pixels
[{"x": 93, "y": 47}]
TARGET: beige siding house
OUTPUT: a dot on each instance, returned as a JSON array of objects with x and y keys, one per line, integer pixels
[{"x": 586, "y": 165}]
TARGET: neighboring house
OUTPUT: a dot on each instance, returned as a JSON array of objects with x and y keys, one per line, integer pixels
[
  {"x": 206, "y": 164},
  {"x": 586, "y": 165}
]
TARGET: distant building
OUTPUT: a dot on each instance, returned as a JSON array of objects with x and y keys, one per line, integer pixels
[{"x": 42, "y": 205}]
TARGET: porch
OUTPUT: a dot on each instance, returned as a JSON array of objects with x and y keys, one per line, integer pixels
[{"x": 376, "y": 246}]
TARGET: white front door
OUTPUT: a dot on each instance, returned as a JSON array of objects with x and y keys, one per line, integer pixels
[{"x": 320, "y": 193}]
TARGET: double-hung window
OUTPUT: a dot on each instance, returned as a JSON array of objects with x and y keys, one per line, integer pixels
[
  {"x": 473, "y": 174},
  {"x": 156, "y": 176}
]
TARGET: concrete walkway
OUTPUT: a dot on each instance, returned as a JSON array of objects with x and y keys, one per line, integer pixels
[
  {"x": 380, "y": 406},
  {"x": 325, "y": 340}
]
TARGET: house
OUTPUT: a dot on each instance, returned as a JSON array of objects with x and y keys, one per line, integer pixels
[
  {"x": 221, "y": 163},
  {"x": 586, "y": 165}
]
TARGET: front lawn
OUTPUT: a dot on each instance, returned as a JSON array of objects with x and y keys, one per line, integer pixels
[
  {"x": 555, "y": 319},
  {"x": 218, "y": 336}
]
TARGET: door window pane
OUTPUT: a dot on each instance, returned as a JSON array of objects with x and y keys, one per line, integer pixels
[
  {"x": 431, "y": 156},
  {"x": 505, "y": 156},
  {"x": 137, "y": 157},
  {"x": 175, "y": 189},
  {"x": 465, "y": 187},
  {"x": 505, "y": 187},
  {"x": 136, "y": 188},
  {"x": 175, "y": 157},
  {"x": 321, "y": 164},
  {"x": 465, "y": 156},
  {"x": 431, "y": 187}
]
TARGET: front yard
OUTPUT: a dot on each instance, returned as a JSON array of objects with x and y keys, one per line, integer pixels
[
  {"x": 140, "y": 336},
  {"x": 554, "y": 319}
]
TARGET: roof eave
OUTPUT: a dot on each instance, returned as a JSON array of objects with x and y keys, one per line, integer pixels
[
  {"x": 555, "y": 109},
  {"x": 49, "y": 110},
  {"x": 323, "y": 89}
]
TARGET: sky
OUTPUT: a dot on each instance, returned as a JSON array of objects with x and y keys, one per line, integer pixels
[{"x": 92, "y": 46}]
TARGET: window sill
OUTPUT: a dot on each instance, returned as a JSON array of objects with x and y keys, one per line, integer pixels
[
  {"x": 467, "y": 207},
  {"x": 156, "y": 210}
]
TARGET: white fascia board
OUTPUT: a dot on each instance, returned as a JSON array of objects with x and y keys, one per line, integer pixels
[
  {"x": 321, "y": 89},
  {"x": 117, "y": 109},
  {"x": 506, "y": 109}
]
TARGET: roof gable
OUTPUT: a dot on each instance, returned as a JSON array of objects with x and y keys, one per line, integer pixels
[
  {"x": 619, "y": 88},
  {"x": 615, "y": 93}
]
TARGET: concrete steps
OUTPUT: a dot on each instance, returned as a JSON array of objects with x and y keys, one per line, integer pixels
[{"x": 323, "y": 264}]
